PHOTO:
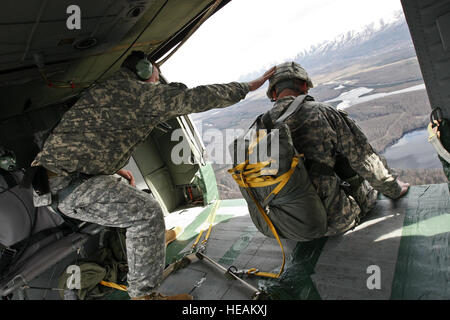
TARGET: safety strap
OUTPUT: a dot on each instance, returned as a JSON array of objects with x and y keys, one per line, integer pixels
[
  {"x": 210, "y": 220},
  {"x": 293, "y": 108},
  {"x": 254, "y": 271},
  {"x": 434, "y": 139},
  {"x": 260, "y": 134},
  {"x": 120, "y": 287}
]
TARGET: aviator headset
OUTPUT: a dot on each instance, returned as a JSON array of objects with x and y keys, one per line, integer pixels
[{"x": 144, "y": 69}]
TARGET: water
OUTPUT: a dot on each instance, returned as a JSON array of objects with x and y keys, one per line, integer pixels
[
  {"x": 352, "y": 97},
  {"x": 413, "y": 151}
]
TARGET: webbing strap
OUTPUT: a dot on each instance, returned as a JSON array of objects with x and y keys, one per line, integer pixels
[
  {"x": 292, "y": 108},
  {"x": 267, "y": 120},
  {"x": 259, "y": 135},
  {"x": 274, "y": 231},
  {"x": 249, "y": 176},
  {"x": 114, "y": 285},
  {"x": 253, "y": 178},
  {"x": 436, "y": 142},
  {"x": 210, "y": 220}
]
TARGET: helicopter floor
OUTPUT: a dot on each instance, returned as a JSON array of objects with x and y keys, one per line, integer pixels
[{"x": 399, "y": 252}]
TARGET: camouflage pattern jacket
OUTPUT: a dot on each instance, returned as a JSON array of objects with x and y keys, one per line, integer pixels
[
  {"x": 100, "y": 132},
  {"x": 320, "y": 132}
]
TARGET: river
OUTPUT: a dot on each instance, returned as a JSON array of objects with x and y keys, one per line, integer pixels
[
  {"x": 359, "y": 95},
  {"x": 413, "y": 151}
]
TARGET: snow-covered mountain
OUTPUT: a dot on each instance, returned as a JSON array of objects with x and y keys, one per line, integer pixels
[
  {"x": 379, "y": 58},
  {"x": 391, "y": 38}
]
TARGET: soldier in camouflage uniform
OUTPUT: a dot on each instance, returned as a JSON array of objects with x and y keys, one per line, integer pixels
[
  {"x": 330, "y": 139},
  {"x": 95, "y": 140}
]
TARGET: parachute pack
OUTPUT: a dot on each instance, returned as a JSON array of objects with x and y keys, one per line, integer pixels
[{"x": 280, "y": 196}]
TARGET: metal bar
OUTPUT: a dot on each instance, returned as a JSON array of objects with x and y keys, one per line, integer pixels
[
  {"x": 256, "y": 292},
  {"x": 43, "y": 288}
]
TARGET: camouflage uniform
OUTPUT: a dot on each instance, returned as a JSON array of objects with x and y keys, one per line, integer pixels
[
  {"x": 97, "y": 136},
  {"x": 321, "y": 133}
]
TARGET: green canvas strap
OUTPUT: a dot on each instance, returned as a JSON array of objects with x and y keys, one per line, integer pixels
[{"x": 293, "y": 107}]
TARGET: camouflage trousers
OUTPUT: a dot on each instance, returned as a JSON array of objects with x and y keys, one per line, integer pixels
[
  {"x": 112, "y": 202},
  {"x": 350, "y": 204},
  {"x": 349, "y": 197}
]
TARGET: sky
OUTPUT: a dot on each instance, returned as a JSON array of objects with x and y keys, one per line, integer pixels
[{"x": 248, "y": 35}]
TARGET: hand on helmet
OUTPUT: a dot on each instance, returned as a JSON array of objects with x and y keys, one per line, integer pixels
[{"x": 255, "y": 84}]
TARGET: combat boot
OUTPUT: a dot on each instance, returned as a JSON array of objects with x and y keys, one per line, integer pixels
[
  {"x": 172, "y": 234},
  {"x": 160, "y": 296}
]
